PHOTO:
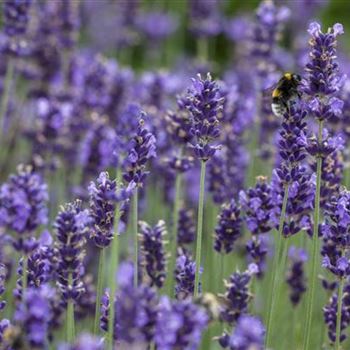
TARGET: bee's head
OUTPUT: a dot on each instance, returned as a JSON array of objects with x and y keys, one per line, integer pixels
[
  {"x": 292, "y": 77},
  {"x": 296, "y": 77}
]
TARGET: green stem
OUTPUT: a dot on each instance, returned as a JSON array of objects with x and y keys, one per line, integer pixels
[
  {"x": 24, "y": 273},
  {"x": 340, "y": 300},
  {"x": 112, "y": 283},
  {"x": 203, "y": 49},
  {"x": 199, "y": 226},
  {"x": 315, "y": 248},
  {"x": 70, "y": 317},
  {"x": 276, "y": 270},
  {"x": 100, "y": 279},
  {"x": 6, "y": 93},
  {"x": 135, "y": 232},
  {"x": 173, "y": 238}
]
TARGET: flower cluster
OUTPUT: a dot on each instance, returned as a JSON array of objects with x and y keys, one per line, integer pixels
[
  {"x": 336, "y": 236},
  {"x": 265, "y": 34},
  {"x": 186, "y": 229},
  {"x": 205, "y": 104},
  {"x": 152, "y": 245},
  {"x": 258, "y": 205},
  {"x": 16, "y": 16},
  {"x": 102, "y": 209},
  {"x": 296, "y": 274},
  {"x": 141, "y": 149},
  {"x": 330, "y": 315},
  {"x": 71, "y": 226},
  {"x": 23, "y": 205},
  {"x": 301, "y": 197},
  {"x": 237, "y": 295},
  {"x": 228, "y": 228},
  {"x": 248, "y": 334},
  {"x": 135, "y": 311},
  {"x": 185, "y": 275},
  {"x": 34, "y": 314},
  {"x": 322, "y": 70},
  {"x": 205, "y": 19},
  {"x": 179, "y": 324},
  {"x": 40, "y": 267}
]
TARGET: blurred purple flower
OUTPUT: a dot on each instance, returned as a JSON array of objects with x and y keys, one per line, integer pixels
[
  {"x": 153, "y": 252},
  {"x": 179, "y": 324}
]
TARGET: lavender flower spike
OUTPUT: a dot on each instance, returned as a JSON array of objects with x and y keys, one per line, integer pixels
[
  {"x": 185, "y": 275},
  {"x": 102, "y": 207},
  {"x": 179, "y": 325},
  {"x": 135, "y": 307},
  {"x": 152, "y": 246},
  {"x": 228, "y": 229},
  {"x": 71, "y": 226},
  {"x": 141, "y": 149},
  {"x": 205, "y": 105},
  {"x": 16, "y": 16},
  {"x": 34, "y": 314},
  {"x": 248, "y": 334},
  {"x": 296, "y": 275},
  {"x": 23, "y": 208},
  {"x": 237, "y": 295},
  {"x": 322, "y": 71}
]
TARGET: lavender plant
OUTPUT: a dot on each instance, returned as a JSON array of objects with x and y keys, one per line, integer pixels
[
  {"x": 321, "y": 84},
  {"x": 204, "y": 104}
]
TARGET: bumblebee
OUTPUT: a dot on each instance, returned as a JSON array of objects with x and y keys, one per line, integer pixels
[{"x": 285, "y": 92}]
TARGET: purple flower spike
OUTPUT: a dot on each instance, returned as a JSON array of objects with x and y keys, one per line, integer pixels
[
  {"x": 322, "y": 70},
  {"x": 336, "y": 235},
  {"x": 205, "y": 18},
  {"x": 179, "y": 325},
  {"x": 265, "y": 35},
  {"x": 34, "y": 314},
  {"x": 237, "y": 296},
  {"x": 152, "y": 245},
  {"x": 135, "y": 310},
  {"x": 185, "y": 274},
  {"x": 257, "y": 204},
  {"x": 205, "y": 105},
  {"x": 23, "y": 205},
  {"x": 330, "y": 315},
  {"x": 16, "y": 16},
  {"x": 296, "y": 276},
  {"x": 248, "y": 334},
  {"x": 141, "y": 149},
  {"x": 71, "y": 225},
  {"x": 228, "y": 229},
  {"x": 102, "y": 208},
  {"x": 186, "y": 227}
]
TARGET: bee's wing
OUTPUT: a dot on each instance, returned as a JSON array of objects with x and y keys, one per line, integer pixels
[{"x": 267, "y": 93}]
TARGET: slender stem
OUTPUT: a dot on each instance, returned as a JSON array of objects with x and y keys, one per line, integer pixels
[
  {"x": 100, "y": 279},
  {"x": 276, "y": 270},
  {"x": 199, "y": 226},
  {"x": 6, "y": 93},
  {"x": 24, "y": 273},
  {"x": 173, "y": 238},
  {"x": 112, "y": 283},
  {"x": 340, "y": 300},
  {"x": 70, "y": 317},
  {"x": 135, "y": 232},
  {"x": 315, "y": 248},
  {"x": 203, "y": 49}
]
